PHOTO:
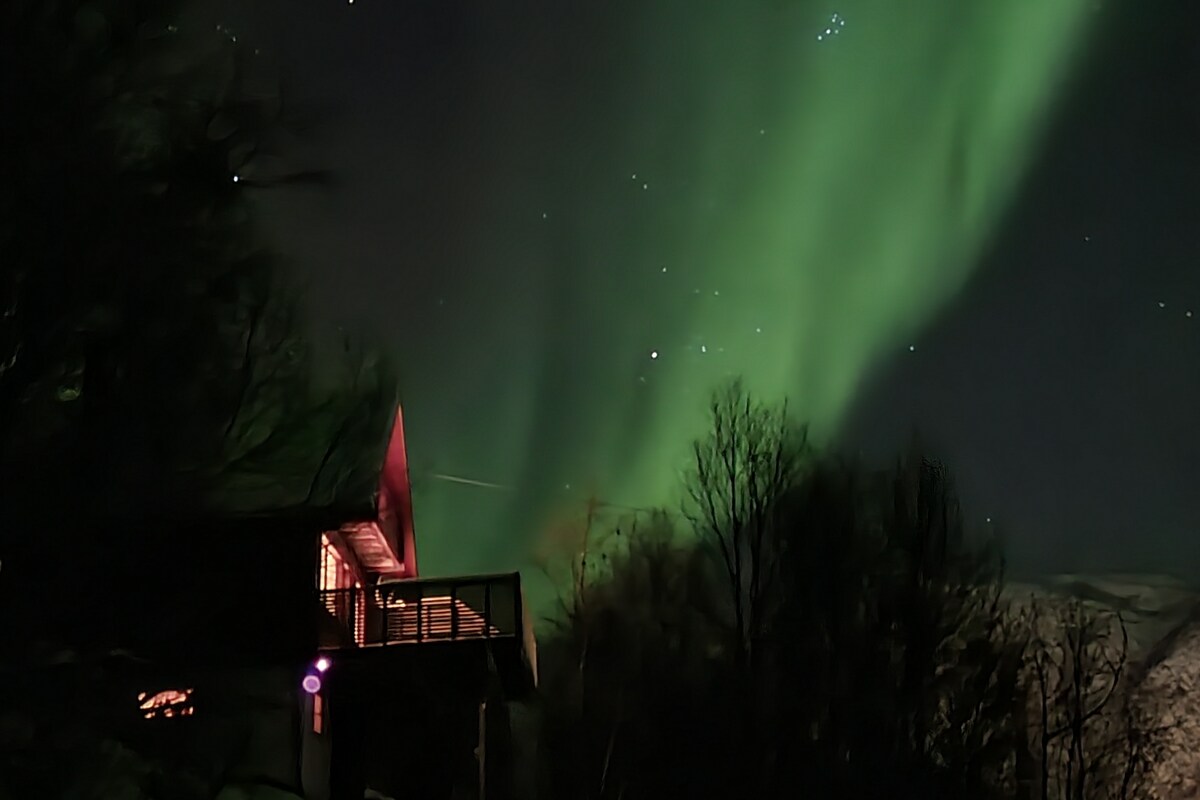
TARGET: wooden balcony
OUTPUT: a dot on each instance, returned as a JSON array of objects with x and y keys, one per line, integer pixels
[{"x": 487, "y": 609}]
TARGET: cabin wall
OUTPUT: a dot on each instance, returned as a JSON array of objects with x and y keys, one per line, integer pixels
[
  {"x": 406, "y": 723},
  {"x": 317, "y": 751}
]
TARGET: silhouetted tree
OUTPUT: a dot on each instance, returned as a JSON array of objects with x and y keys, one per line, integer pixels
[
  {"x": 895, "y": 662},
  {"x": 883, "y": 664},
  {"x": 887, "y": 659},
  {"x": 138, "y": 302},
  {"x": 1090, "y": 744},
  {"x": 741, "y": 470},
  {"x": 150, "y": 351},
  {"x": 631, "y": 678}
]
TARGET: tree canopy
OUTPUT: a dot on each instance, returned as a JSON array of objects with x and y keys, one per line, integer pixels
[
  {"x": 151, "y": 351},
  {"x": 813, "y": 627}
]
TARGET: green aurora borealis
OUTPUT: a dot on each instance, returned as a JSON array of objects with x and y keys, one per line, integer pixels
[{"x": 708, "y": 182}]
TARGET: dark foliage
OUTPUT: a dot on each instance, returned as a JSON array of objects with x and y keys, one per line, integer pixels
[
  {"x": 152, "y": 362},
  {"x": 909, "y": 675},
  {"x": 740, "y": 471},
  {"x": 1088, "y": 742},
  {"x": 635, "y": 675},
  {"x": 139, "y": 306},
  {"x": 883, "y": 659}
]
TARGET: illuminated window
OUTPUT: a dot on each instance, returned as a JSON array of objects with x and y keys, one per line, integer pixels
[
  {"x": 167, "y": 703},
  {"x": 318, "y": 713},
  {"x": 334, "y": 573},
  {"x": 343, "y": 595},
  {"x": 360, "y": 615}
]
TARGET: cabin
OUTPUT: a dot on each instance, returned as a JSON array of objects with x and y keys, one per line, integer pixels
[
  {"x": 405, "y": 659},
  {"x": 292, "y": 649}
]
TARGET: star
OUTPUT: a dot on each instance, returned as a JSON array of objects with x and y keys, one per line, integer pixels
[{"x": 836, "y": 23}]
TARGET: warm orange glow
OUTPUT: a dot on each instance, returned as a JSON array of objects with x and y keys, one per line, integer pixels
[
  {"x": 384, "y": 601},
  {"x": 167, "y": 703},
  {"x": 436, "y": 617},
  {"x": 372, "y": 546},
  {"x": 334, "y": 575},
  {"x": 333, "y": 572},
  {"x": 395, "y": 498},
  {"x": 318, "y": 714}
]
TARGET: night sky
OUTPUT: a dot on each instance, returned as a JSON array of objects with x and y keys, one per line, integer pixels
[{"x": 569, "y": 220}]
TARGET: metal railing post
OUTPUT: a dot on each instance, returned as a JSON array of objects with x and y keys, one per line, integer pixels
[
  {"x": 515, "y": 586},
  {"x": 366, "y": 613},
  {"x": 487, "y": 610}
]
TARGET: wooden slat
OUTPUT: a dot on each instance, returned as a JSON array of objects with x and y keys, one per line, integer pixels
[{"x": 410, "y": 615}]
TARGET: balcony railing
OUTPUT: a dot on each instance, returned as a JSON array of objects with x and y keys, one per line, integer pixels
[{"x": 434, "y": 610}]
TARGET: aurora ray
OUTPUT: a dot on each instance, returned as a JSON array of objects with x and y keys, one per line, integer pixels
[{"x": 626, "y": 202}]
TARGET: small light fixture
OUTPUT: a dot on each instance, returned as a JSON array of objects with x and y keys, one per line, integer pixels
[
  {"x": 322, "y": 664},
  {"x": 311, "y": 683}
]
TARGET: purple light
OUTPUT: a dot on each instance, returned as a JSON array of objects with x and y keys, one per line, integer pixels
[
  {"x": 311, "y": 683},
  {"x": 322, "y": 664}
]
